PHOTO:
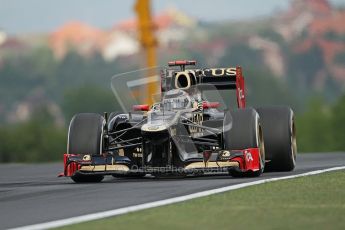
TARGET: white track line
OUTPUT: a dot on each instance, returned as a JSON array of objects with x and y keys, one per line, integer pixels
[{"x": 119, "y": 211}]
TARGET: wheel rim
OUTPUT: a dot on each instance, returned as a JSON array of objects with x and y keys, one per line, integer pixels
[
  {"x": 261, "y": 149},
  {"x": 102, "y": 140},
  {"x": 293, "y": 141}
]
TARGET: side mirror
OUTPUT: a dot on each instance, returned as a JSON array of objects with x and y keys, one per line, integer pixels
[{"x": 141, "y": 107}]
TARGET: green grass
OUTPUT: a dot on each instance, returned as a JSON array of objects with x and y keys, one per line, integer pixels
[{"x": 314, "y": 202}]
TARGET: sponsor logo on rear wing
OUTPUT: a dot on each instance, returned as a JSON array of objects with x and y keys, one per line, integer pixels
[
  {"x": 209, "y": 72},
  {"x": 215, "y": 72},
  {"x": 220, "y": 78}
]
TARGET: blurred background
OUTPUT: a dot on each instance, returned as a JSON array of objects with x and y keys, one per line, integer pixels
[{"x": 57, "y": 59}]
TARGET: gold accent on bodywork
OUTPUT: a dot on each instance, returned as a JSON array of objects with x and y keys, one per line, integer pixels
[
  {"x": 197, "y": 119},
  {"x": 212, "y": 164},
  {"x": 183, "y": 74},
  {"x": 226, "y": 153},
  {"x": 153, "y": 128},
  {"x": 86, "y": 158},
  {"x": 137, "y": 155},
  {"x": 102, "y": 168}
]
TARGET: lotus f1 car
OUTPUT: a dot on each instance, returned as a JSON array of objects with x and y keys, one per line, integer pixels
[{"x": 183, "y": 133}]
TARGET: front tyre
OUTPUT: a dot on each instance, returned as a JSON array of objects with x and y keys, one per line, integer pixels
[
  {"x": 242, "y": 130},
  {"x": 80, "y": 178},
  {"x": 85, "y": 137}
]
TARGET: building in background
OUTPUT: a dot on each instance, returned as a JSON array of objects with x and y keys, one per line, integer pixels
[
  {"x": 77, "y": 36},
  {"x": 171, "y": 26}
]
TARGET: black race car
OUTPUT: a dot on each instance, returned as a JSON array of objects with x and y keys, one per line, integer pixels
[{"x": 183, "y": 132}]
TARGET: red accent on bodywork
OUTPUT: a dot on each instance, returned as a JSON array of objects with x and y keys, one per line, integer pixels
[
  {"x": 69, "y": 167},
  {"x": 180, "y": 62},
  {"x": 206, "y": 155},
  {"x": 240, "y": 160},
  {"x": 240, "y": 92},
  {"x": 250, "y": 161},
  {"x": 210, "y": 105},
  {"x": 141, "y": 107}
]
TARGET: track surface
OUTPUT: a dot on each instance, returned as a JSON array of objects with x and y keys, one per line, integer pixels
[{"x": 31, "y": 194}]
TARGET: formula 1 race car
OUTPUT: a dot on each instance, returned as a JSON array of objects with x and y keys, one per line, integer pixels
[{"x": 183, "y": 132}]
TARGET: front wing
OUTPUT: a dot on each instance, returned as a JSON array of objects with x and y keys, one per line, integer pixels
[{"x": 107, "y": 164}]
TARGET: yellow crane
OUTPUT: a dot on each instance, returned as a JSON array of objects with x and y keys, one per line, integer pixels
[{"x": 148, "y": 41}]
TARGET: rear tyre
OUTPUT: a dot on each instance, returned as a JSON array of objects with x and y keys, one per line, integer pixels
[
  {"x": 242, "y": 130},
  {"x": 280, "y": 137},
  {"x": 85, "y": 137}
]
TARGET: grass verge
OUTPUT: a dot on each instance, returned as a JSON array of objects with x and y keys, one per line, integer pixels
[{"x": 314, "y": 202}]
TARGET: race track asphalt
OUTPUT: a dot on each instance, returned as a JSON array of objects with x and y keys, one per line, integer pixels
[{"x": 32, "y": 193}]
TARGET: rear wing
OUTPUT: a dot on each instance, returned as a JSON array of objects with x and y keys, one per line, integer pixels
[{"x": 220, "y": 78}]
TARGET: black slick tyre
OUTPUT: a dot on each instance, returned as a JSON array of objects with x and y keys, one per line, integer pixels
[
  {"x": 85, "y": 137},
  {"x": 280, "y": 137},
  {"x": 242, "y": 130}
]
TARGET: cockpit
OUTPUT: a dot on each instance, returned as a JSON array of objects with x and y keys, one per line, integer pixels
[{"x": 174, "y": 100}]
